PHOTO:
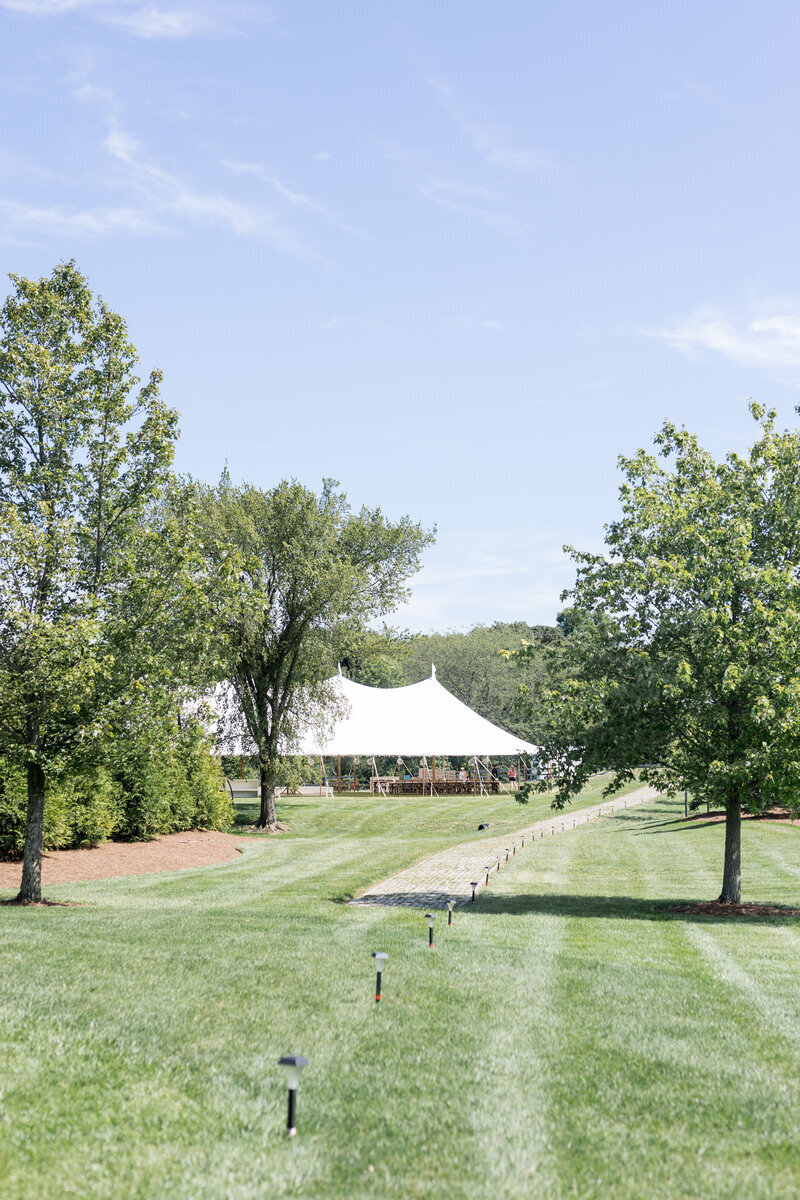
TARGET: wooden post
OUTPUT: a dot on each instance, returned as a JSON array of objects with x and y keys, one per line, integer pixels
[{"x": 338, "y": 774}]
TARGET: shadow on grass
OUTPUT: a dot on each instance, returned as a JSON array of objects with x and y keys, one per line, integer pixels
[{"x": 627, "y": 908}]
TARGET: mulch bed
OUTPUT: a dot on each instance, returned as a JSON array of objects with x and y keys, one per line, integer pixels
[
  {"x": 781, "y": 815},
  {"x": 714, "y": 908},
  {"x": 171, "y": 852}
]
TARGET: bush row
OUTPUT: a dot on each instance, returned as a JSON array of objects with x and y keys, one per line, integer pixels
[{"x": 147, "y": 788}]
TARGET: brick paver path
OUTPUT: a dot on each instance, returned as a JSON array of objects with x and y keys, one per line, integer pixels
[{"x": 447, "y": 875}]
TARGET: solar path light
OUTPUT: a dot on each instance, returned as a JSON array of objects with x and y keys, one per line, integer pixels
[
  {"x": 380, "y": 957},
  {"x": 473, "y": 886},
  {"x": 292, "y": 1065},
  {"x": 507, "y": 853},
  {"x": 430, "y": 918},
  {"x": 513, "y": 849},
  {"x": 498, "y": 864},
  {"x": 487, "y": 870},
  {"x": 451, "y": 905}
]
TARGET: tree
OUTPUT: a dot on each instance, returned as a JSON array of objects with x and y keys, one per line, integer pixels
[
  {"x": 682, "y": 648},
  {"x": 304, "y": 574},
  {"x": 88, "y": 588},
  {"x": 474, "y": 668}
]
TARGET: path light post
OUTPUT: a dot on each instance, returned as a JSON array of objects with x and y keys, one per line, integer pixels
[
  {"x": 487, "y": 870},
  {"x": 452, "y": 903},
  {"x": 380, "y": 957},
  {"x": 507, "y": 853},
  {"x": 498, "y": 864},
  {"x": 473, "y": 886},
  {"x": 523, "y": 841},
  {"x": 513, "y": 849},
  {"x": 292, "y": 1065},
  {"x": 430, "y": 918}
]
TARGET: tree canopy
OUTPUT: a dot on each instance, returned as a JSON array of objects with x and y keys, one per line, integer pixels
[
  {"x": 92, "y": 567},
  {"x": 301, "y": 575},
  {"x": 682, "y": 646}
]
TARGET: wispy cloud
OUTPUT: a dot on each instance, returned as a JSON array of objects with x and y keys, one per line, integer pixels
[
  {"x": 156, "y": 201},
  {"x": 478, "y": 201},
  {"x": 769, "y": 336},
  {"x": 150, "y": 20},
  {"x": 341, "y": 321},
  {"x": 296, "y": 199},
  {"x": 56, "y": 221},
  {"x": 493, "y": 142},
  {"x": 490, "y": 323},
  {"x": 165, "y": 194}
]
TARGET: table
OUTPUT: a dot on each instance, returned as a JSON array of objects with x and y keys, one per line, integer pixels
[{"x": 416, "y": 786}]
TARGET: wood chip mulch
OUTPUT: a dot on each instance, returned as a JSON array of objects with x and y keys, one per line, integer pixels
[
  {"x": 781, "y": 815},
  {"x": 714, "y": 908},
  {"x": 171, "y": 852}
]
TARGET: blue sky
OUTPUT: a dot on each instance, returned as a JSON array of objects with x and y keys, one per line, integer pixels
[{"x": 456, "y": 255}]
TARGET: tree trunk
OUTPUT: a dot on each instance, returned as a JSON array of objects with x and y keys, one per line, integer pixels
[
  {"x": 732, "y": 876},
  {"x": 31, "y": 890},
  {"x": 266, "y": 773}
]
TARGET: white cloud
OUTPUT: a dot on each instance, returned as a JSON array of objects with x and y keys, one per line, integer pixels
[
  {"x": 294, "y": 198},
  {"x": 56, "y": 221},
  {"x": 166, "y": 195},
  {"x": 494, "y": 143},
  {"x": 768, "y": 337},
  {"x": 490, "y": 323},
  {"x": 157, "y": 202},
  {"x": 150, "y": 20},
  {"x": 477, "y": 201},
  {"x": 474, "y": 576}
]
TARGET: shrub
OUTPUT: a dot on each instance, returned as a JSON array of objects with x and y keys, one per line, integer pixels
[
  {"x": 156, "y": 784},
  {"x": 171, "y": 784},
  {"x": 80, "y": 811}
]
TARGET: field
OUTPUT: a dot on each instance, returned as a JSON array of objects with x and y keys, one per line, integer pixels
[{"x": 568, "y": 1037}]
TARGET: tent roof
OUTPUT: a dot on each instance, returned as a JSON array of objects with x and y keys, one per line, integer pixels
[{"x": 420, "y": 719}]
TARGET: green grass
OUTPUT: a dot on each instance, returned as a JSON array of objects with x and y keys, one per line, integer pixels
[{"x": 569, "y": 1037}]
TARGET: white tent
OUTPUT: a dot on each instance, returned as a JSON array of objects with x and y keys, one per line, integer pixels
[{"x": 421, "y": 719}]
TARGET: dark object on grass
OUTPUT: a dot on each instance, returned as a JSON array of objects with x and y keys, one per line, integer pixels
[
  {"x": 293, "y": 1065},
  {"x": 429, "y": 917},
  {"x": 484, "y": 826},
  {"x": 380, "y": 957}
]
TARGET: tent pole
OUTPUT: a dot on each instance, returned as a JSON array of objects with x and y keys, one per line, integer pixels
[
  {"x": 433, "y": 773},
  {"x": 338, "y": 774}
]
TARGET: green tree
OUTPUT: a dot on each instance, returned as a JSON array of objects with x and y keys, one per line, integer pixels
[
  {"x": 304, "y": 574},
  {"x": 474, "y": 668},
  {"x": 683, "y": 643},
  {"x": 86, "y": 580}
]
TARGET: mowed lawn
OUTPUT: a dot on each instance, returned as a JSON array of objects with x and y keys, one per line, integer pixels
[{"x": 568, "y": 1037}]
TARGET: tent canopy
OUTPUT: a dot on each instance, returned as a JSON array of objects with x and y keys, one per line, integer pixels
[{"x": 420, "y": 719}]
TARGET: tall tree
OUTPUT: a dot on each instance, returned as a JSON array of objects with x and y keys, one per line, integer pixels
[
  {"x": 84, "y": 451},
  {"x": 682, "y": 648},
  {"x": 304, "y": 574}
]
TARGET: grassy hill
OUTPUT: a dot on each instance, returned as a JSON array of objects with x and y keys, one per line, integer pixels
[{"x": 569, "y": 1036}]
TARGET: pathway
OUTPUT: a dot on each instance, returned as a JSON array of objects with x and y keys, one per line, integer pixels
[{"x": 448, "y": 875}]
